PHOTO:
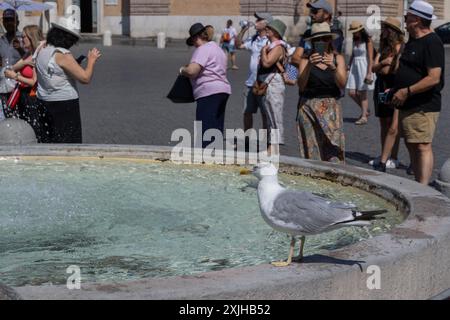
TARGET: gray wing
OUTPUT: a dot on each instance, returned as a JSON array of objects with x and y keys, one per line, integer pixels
[{"x": 309, "y": 213}]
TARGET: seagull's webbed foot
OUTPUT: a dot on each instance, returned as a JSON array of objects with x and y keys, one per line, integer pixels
[
  {"x": 281, "y": 263},
  {"x": 289, "y": 260}
]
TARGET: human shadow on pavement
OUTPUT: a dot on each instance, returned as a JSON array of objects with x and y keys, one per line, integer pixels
[
  {"x": 358, "y": 156},
  {"x": 350, "y": 120}
]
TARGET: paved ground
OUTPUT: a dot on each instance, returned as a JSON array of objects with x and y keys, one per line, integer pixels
[{"x": 126, "y": 104}]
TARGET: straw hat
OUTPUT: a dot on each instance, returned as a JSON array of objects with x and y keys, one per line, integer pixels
[
  {"x": 319, "y": 30},
  {"x": 356, "y": 26},
  {"x": 394, "y": 24}
]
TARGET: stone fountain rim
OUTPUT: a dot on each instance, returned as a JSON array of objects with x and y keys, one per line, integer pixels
[{"x": 425, "y": 229}]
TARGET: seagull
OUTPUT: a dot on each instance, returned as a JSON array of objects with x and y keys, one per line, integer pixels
[{"x": 302, "y": 213}]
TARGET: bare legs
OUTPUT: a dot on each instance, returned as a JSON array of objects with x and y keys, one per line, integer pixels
[
  {"x": 391, "y": 137},
  {"x": 233, "y": 61},
  {"x": 360, "y": 97},
  {"x": 422, "y": 160}
]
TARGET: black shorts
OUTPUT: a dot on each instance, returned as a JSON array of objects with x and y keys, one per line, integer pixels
[{"x": 384, "y": 110}]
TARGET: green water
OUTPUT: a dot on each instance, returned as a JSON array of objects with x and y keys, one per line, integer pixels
[{"x": 120, "y": 220}]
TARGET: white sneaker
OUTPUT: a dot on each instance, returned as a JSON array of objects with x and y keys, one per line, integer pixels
[
  {"x": 375, "y": 162},
  {"x": 392, "y": 164}
]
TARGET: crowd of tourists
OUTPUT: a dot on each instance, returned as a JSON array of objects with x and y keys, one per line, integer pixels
[
  {"x": 406, "y": 79},
  {"x": 39, "y": 80}
]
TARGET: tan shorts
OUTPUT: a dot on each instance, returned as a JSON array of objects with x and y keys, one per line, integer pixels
[{"x": 418, "y": 126}]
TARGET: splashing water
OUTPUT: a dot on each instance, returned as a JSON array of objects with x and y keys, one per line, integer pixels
[{"x": 123, "y": 220}]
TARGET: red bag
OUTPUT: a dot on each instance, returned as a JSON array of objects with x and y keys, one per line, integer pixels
[{"x": 14, "y": 97}]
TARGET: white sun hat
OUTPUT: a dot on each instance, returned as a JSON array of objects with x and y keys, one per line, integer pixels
[
  {"x": 422, "y": 9},
  {"x": 67, "y": 28}
]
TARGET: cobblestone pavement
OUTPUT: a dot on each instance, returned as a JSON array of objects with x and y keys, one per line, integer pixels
[{"x": 126, "y": 104}]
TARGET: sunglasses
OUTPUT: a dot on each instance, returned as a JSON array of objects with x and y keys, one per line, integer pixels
[
  {"x": 407, "y": 16},
  {"x": 313, "y": 10}
]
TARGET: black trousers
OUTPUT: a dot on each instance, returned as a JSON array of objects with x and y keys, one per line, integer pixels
[
  {"x": 211, "y": 112},
  {"x": 64, "y": 121}
]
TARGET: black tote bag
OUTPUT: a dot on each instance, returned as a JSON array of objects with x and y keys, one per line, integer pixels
[{"x": 181, "y": 91}]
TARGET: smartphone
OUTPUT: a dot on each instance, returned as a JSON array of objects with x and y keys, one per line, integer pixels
[
  {"x": 80, "y": 59},
  {"x": 319, "y": 47}
]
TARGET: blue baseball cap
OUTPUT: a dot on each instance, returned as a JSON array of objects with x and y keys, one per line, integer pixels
[{"x": 321, "y": 4}]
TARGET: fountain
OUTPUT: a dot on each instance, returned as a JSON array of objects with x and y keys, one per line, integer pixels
[{"x": 136, "y": 227}]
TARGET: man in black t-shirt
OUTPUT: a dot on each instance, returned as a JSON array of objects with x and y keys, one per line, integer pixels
[{"x": 419, "y": 81}]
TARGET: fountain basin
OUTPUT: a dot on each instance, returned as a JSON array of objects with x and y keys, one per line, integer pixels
[{"x": 412, "y": 258}]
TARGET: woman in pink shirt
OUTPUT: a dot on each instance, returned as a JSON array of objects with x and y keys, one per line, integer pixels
[{"x": 207, "y": 71}]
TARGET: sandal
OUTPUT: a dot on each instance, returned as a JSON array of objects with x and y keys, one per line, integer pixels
[{"x": 361, "y": 121}]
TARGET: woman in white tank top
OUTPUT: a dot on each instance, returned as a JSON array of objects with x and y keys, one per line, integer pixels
[{"x": 57, "y": 75}]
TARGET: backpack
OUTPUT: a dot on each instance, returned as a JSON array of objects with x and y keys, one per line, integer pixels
[{"x": 226, "y": 37}]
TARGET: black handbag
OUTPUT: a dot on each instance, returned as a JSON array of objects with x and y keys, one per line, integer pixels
[{"x": 181, "y": 91}]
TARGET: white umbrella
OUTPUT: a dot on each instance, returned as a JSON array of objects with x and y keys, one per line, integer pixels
[{"x": 24, "y": 5}]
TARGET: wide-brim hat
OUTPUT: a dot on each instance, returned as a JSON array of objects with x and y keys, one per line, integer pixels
[
  {"x": 319, "y": 30},
  {"x": 278, "y": 26},
  {"x": 67, "y": 29},
  {"x": 194, "y": 30},
  {"x": 422, "y": 9},
  {"x": 355, "y": 26},
  {"x": 394, "y": 24}
]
